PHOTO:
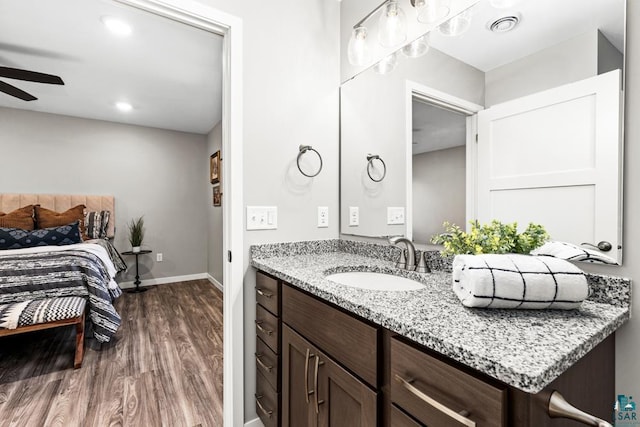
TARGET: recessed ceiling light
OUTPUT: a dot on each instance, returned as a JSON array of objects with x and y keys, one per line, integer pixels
[
  {"x": 504, "y": 24},
  {"x": 124, "y": 106},
  {"x": 116, "y": 26}
]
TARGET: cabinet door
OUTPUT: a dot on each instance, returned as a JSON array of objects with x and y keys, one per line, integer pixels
[
  {"x": 343, "y": 400},
  {"x": 297, "y": 370}
]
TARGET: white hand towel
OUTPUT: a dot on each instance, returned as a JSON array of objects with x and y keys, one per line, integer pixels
[
  {"x": 573, "y": 252},
  {"x": 518, "y": 281}
]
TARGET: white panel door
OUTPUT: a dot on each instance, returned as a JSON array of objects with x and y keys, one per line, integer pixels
[{"x": 555, "y": 158}]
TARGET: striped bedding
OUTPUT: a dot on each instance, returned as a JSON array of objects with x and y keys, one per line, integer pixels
[{"x": 84, "y": 270}]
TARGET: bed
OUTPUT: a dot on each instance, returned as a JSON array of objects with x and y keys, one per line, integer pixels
[{"x": 73, "y": 267}]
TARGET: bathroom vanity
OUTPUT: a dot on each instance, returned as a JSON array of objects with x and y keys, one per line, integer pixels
[{"x": 328, "y": 354}]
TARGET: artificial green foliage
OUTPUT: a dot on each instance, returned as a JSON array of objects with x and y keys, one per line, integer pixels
[
  {"x": 136, "y": 231},
  {"x": 493, "y": 238}
]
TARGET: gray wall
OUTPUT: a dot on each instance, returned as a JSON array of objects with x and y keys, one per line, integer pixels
[
  {"x": 156, "y": 173},
  {"x": 439, "y": 192},
  {"x": 214, "y": 213},
  {"x": 290, "y": 84}
]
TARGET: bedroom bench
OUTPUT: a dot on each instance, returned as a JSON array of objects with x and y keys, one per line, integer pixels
[{"x": 46, "y": 313}]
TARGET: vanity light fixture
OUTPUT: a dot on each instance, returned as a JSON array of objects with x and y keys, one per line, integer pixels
[
  {"x": 358, "y": 51},
  {"x": 393, "y": 25},
  {"x": 430, "y": 11},
  {"x": 457, "y": 25},
  {"x": 116, "y": 26},
  {"x": 417, "y": 48},
  {"x": 387, "y": 65},
  {"x": 124, "y": 106}
]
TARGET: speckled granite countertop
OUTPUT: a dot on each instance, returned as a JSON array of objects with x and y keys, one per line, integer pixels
[{"x": 526, "y": 349}]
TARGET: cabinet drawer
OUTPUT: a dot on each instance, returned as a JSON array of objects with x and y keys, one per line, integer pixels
[
  {"x": 267, "y": 292},
  {"x": 267, "y": 327},
  {"x": 266, "y": 402},
  {"x": 267, "y": 363},
  {"x": 346, "y": 339},
  {"x": 449, "y": 389},
  {"x": 400, "y": 419}
]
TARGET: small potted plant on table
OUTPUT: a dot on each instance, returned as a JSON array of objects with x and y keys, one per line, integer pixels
[{"x": 136, "y": 234}]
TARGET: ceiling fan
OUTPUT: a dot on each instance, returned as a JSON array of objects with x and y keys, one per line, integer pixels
[{"x": 30, "y": 76}]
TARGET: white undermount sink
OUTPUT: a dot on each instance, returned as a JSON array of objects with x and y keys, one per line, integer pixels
[{"x": 375, "y": 281}]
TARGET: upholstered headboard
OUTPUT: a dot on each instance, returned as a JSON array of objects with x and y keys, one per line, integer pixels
[{"x": 60, "y": 203}]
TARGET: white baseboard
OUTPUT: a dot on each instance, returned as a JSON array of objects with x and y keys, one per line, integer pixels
[
  {"x": 215, "y": 283},
  {"x": 254, "y": 423},
  {"x": 164, "y": 280}
]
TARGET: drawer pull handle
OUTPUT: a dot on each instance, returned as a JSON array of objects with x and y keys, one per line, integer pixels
[
  {"x": 262, "y": 408},
  {"x": 307, "y": 393},
  {"x": 261, "y": 363},
  {"x": 263, "y": 293},
  {"x": 262, "y": 329},
  {"x": 315, "y": 384},
  {"x": 560, "y": 408},
  {"x": 462, "y": 419}
]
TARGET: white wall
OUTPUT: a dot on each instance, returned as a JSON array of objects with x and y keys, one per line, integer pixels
[
  {"x": 156, "y": 173},
  {"x": 214, "y": 213},
  {"x": 439, "y": 192},
  {"x": 290, "y": 84}
]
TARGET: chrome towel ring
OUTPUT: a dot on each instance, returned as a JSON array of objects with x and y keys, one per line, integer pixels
[
  {"x": 370, "y": 159},
  {"x": 303, "y": 149}
]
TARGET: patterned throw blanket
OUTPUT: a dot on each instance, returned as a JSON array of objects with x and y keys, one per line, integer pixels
[{"x": 32, "y": 276}]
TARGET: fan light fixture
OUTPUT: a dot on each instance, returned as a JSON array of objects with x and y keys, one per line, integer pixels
[
  {"x": 124, "y": 106},
  {"x": 117, "y": 26}
]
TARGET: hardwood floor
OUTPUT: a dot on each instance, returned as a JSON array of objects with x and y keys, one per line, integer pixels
[{"x": 163, "y": 367}]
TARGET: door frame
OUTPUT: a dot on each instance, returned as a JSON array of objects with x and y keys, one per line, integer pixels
[
  {"x": 207, "y": 18},
  {"x": 442, "y": 99}
]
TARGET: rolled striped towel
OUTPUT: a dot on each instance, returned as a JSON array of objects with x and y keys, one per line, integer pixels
[{"x": 518, "y": 281}]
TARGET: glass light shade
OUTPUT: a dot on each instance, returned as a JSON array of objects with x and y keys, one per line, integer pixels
[
  {"x": 392, "y": 29},
  {"x": 358, "y": 52},
  {"x": 387, "y": 65},
  {"x": 430, "y": 11},
  {"x": 457, "y": 25},
  {"x": 417, "y": 48}
]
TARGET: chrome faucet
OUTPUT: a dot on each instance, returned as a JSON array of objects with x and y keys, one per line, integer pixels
[{"x": 411, "y": 253}]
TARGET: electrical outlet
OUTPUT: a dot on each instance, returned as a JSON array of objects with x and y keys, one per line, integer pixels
[
  {"x": 323, "y": 216},
  {"x": 354, "y": 216},
  {"x": 262, "y": 217},
  {"x": 395, "y": 215},
  {"x": 159, "y": 257}
]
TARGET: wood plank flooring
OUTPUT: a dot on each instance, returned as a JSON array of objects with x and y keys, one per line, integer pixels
[{"x": 163, "y": 367}]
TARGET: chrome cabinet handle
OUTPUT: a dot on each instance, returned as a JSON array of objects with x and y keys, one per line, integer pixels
[
  {"x": 261, "y": 363},
  {"x": 262, "y": 329},
  {"x": 307, "y": 356},
  {"x": 263, "y": 293},
  {"x": 604, "y": 246},
  {"x": 459, "y": 417},
  {"x": 560, "y": 408},
  {"x": 315, "y": 384},
  {"x": 262, "y": 408}
]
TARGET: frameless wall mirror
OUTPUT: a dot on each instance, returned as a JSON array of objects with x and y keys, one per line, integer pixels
[{"x": 518, "y": 118}]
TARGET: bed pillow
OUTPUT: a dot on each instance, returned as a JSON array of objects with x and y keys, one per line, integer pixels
[
  {"x": 96, "y": 223},
  {"x": 46, "y": 218},
  {"x": 17, "y": 238},
  {"x": 20, "y": 218}
]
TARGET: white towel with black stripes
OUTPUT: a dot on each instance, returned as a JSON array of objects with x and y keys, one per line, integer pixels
[{"x": 518, "y": 281}]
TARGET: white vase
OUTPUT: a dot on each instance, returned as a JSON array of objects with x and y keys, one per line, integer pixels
[{"x": 135, "y": 249}]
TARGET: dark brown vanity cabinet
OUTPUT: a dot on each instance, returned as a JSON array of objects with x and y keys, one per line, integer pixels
[{"x": 268, "y": 352}]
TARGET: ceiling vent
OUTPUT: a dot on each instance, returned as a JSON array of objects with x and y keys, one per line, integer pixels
[{"x": 504, "y": 24}]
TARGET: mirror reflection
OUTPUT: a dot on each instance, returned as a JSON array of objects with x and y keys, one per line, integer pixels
[{"x": 422, "y": 119}]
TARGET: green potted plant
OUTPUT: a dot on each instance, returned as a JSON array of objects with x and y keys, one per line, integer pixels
[{"x": 136, "y": 234}]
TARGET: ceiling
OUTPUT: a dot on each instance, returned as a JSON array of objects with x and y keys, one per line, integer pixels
[
  {"x": 543, "y": 23},
  {"x": 169, "y": 72},
  {"x": 436, "y": 128}
]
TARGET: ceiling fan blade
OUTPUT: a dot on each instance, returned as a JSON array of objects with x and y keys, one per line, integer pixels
[
  {"x": 30, "y": 76},
  {"x": 14, "y": 91}
]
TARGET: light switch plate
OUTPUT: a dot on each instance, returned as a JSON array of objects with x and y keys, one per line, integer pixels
[
  {"x": 354, "y": 216},
  {"x": 262, "y": 217},
  {"x": 395, "y": 215},
  {"x": 323, "y": 216}
]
